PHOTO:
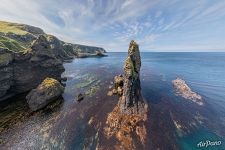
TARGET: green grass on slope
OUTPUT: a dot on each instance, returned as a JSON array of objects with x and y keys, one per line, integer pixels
[
  {"x": 6, "y": 27},
  {"x": 11, "y": 44}
]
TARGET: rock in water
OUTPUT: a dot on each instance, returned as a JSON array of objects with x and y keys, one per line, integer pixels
[
  {"x": 80, "y": 97},
  {"x": 48, "y": 91},
  {"x": 132, "y": 101},
  {"x": 126, "y": 122}
]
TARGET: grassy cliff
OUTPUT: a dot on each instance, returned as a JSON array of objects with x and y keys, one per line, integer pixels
[{"x": 20, "y": 37}]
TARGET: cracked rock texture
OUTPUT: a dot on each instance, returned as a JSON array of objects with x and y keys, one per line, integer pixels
[{"x": 127, "y": 121}]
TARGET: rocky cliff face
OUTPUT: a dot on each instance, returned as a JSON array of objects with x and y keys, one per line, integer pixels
[
  {"x": 21, "y": 72},
  {"x": 126, "y": 122},
  {"x": 6, "y": 71},
  {"x": 28, "y": 56}
]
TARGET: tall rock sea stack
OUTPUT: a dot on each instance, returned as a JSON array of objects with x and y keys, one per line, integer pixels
[
  {"x": 127, "y": 122},
  {"x": 131, "y": 100}
]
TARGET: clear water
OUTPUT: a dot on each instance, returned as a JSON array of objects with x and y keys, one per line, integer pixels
[{"x": 203, "y": 72}]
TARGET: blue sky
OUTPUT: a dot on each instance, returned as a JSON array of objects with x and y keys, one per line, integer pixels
[{"x": 157, "y": 25}]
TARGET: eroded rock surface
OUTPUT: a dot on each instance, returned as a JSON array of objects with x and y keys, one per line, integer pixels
[
  {"x": 48, "y": 91},
  {"x": 185, "y": 91},
  {"x": 127, "y": 121},
  {"x": 28, "y": 56}
]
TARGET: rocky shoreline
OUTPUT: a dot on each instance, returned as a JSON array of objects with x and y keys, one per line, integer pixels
[{"x": 28, "y": 56}]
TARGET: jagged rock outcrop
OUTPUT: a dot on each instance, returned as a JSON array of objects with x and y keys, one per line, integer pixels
[
  {"x": 128, "y": 85},
  {"x": 126, "y": 122},
  {"x": 132, "y": 100},
  {"x": 28, "y": 56},
  {"x": 48, "y": 91}
]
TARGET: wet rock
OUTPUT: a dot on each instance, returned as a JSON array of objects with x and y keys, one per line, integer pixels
[
  {"x": 120, "y": 91},
  {"x": 80, "y": 97},
  {"x": 117, "y": 87},
  {"x": 185, "y": 91},
  {"x": 118, "y": 81},
  {"x": 48, "y": 91},
  {"x": 114, "y": 91},
  {"x": 110, "y": 93},
  {"x": 64, "y": 79},
  {"x": 128, "y": 129}
]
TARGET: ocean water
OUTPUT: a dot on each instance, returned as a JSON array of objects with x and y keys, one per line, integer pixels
[
  {"x": 203, "y": 72},
  {"x": 173, "y": 122}
]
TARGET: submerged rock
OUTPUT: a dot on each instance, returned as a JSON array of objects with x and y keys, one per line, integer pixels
[
  {"x": 128, "y": 129},
  {"x": 48, "y": 91},
  {"x": 80, "y": 97},
  {"x": 185, "y": 91}
]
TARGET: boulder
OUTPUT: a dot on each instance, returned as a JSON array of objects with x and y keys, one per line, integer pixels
[
  {"x": 80, "y": 97},
  {"x": 118, "y": 81},
  {"x": 48, "y": 91}
]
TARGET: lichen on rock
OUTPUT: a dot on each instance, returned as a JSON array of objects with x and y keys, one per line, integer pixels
[
  {"x": 127, "y": 121},
  {"x": 48, "y": 91},
  {"x": 132, "y": 100}
]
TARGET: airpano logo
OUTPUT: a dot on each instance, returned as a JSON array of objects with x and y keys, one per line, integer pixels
[{"x": 209, "y": 143}]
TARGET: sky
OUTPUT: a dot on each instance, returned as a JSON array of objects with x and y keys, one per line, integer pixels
[{"x": 156, "y": 25}]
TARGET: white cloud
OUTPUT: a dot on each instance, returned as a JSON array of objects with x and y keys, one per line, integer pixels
[{"x": 112, "y": 24}]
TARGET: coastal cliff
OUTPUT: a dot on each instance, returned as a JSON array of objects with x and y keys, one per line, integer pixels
[
  {"x": 28, "y": 56},
  {"x": 127, "y": 121}
]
